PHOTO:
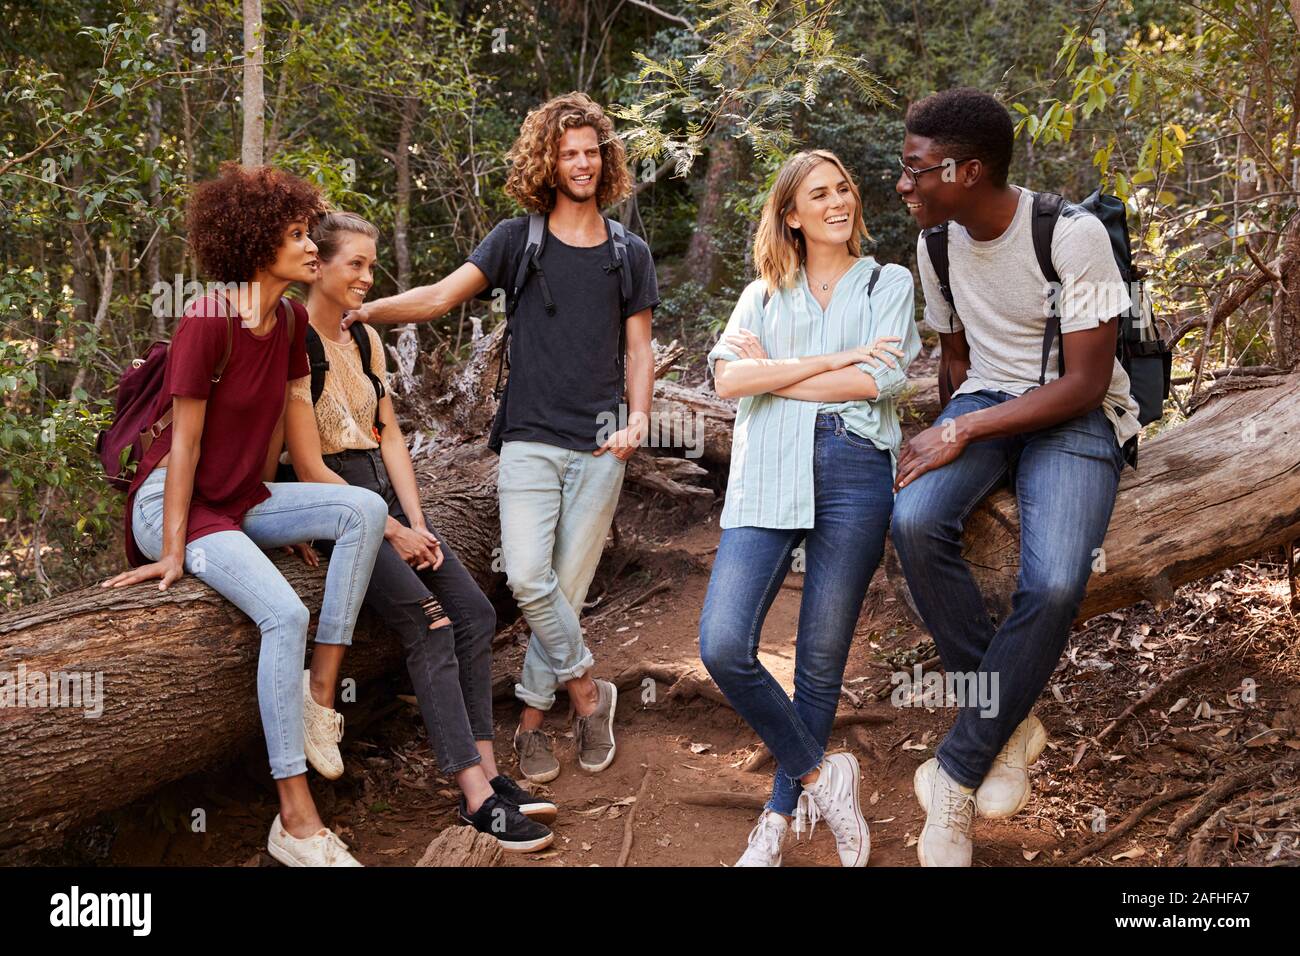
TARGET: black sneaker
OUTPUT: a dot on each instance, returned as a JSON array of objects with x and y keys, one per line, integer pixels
[
  {"x": 501, "y": 819},
  {"x": 535, "y": 808}
]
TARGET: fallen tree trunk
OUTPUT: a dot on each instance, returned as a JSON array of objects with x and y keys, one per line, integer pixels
[{"x": 177, "y": 669}]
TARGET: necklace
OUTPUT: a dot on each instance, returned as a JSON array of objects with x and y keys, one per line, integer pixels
[{"x": 826, "y": 285}]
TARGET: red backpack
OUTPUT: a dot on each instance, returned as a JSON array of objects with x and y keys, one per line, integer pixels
[{"x": 122, "y": 446}]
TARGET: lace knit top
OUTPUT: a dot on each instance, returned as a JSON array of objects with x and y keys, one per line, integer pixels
[{"x": 345, "y": 414}]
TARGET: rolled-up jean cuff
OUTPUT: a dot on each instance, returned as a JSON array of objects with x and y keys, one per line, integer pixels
[
  {"x": 294, "y": 768},
  {"x": 344, "y": 640},
  {"x": 577, "y": 670},
  {"x": 491, "y": 737},
  {"x": 534, "y": 700},
  {"x": 463, "y": 765},
  {"x": 954, "y": 771}
]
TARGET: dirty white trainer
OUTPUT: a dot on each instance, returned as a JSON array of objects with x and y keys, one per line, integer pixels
[
  {"x": 833, "y": 797},
  {"x": 765, "y": 841},
  {"x": 1005, "y": 788},
  {"x": 950, "y": 807},
  {"x": 322, "y": 732},
  {"x": 322, "y": 848}
]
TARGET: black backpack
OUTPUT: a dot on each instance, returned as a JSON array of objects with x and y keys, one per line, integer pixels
[
  {"x": 530, "y": 264},
  {"x": 1140, "y": 349},
  {"x": 320, "y": 365}
]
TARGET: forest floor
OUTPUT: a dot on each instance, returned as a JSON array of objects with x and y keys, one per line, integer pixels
[{"x": 1225, "y": 734}]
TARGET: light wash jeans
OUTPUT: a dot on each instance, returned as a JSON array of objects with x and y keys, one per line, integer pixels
[
  {"x": 556, "y": 508},
  {"x": 233, "y": 564}
]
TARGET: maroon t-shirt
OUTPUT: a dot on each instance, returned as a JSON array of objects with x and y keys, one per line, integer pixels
[{"x": 242, "y": 412}]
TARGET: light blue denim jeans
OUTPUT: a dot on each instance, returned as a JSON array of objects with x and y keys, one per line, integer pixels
[
  {"x": 233, "y": 564},
  {"x": 556, "y": 508}
]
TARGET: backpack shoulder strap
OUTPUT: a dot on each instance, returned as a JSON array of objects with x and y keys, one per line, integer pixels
[
  {"x": 621, "y": 261},
  {"x": 220, "y": 368},
  {"x": 1046, "y": 212},
  {"x": 291, "y": 316},
  {"x": 318, "y": 363},
  {"x": 530, "y": 262},
  {"x": 936, "y": 246},
  {"x": 871, "y": 283},
  {"x": 361, "y": 336}
]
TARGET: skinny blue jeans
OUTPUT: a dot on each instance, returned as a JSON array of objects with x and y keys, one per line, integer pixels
[{"x": 233, "y": 564}]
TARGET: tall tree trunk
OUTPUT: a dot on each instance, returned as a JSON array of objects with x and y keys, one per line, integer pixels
[
  {"x": 1284, "y": 319},
  {"x": 254, "y": 101},
  {"x": 407, "y": 350},
  {"x": 153, "y": 251},
  {"x": 702, "y": 253}
]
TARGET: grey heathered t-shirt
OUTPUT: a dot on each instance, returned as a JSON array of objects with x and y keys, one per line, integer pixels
[{"x": 1001, "y": 295}]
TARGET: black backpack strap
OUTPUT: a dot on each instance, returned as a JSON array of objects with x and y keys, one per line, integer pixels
[
  {"x": 936, "y": 245},
  {"x": 319, "y": 364},
  {"x": 529, "y": 262},
  {"x": 362, "y": 338},
  {"x": 871, "y": 283},
  {"x": 619, "y": 260},
  {"x": 1047, "y": 210}
]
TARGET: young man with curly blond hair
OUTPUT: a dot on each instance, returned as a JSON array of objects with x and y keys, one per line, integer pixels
[{"x": 571, "y": 310}]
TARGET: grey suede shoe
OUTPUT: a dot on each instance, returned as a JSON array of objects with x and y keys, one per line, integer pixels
[
  {"x": 536, "y": 761},
  {"x": 594, "y": 734}
]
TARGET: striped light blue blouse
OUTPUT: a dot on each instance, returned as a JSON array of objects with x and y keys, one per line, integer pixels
[{"x": 771, "y": 479}]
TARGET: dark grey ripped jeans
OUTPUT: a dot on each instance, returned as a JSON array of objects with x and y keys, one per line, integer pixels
[{"x": 450, "y": 666}]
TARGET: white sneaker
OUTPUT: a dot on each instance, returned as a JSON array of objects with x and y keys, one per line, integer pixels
[
  {"x": 834, "y": 798},
  {"x": 322, "y": 732},
  {"x": 949, "y": 807},
  {"x": 322, "y": 848},
  {"x": 1005, "y": 788},
  {"x": 765, "y": 841}
]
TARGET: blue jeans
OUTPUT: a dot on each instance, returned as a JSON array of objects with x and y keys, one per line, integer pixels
[
  {"x": 853, "y": 494},
  {"x": 1064, "y": 479},
  {"x": 233, "y": 564},
  {"x": 556, "y": 508}
]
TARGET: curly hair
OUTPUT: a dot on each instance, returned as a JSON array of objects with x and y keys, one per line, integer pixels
[
  {"x": 531, "y": 182},
  {"x": 967, "y": 121},
  {"x": 779, "y": 251},
  {"x": 236, "y": 222}
]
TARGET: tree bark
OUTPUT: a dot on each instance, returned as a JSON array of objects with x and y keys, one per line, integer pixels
[
  {"x": 254, "y": 100},
  {"x": 702, "y": 252}
]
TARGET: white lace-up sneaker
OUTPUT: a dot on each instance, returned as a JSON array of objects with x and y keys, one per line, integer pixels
[
  {"x": 322, "y": 848},
  {"x": 1005, "y": 788},
  {"x": 949, "y": 807},
  {"x": 322, "y": 733},
  {"x": 765, "y": 841},
  {"x": 834, "y": 798}
]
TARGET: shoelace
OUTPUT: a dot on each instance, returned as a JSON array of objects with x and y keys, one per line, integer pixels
[
  {"x": 958, "y": 808},
  {"x": 806, "y": 814},
  {"x": 327, "y": 722},
  {"x": 766, "y": 832},
  {"x": 332, "y": 848}
]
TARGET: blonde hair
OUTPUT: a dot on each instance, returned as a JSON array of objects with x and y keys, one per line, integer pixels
[
  {"x": 531, "y": 181},
  {"x": 779, "y": 250},
  {"x": 326, "y": 233}
]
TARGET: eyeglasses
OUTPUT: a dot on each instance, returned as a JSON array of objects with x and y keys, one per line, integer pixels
[{"x": 913, "y": 173}]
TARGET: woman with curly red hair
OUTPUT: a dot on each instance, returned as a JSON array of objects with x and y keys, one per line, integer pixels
[
  {"x": 203, "y": 499},
  {"x": 587, "y": 288}
]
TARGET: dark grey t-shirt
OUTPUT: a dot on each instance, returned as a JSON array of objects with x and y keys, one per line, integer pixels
[{"x": 564, "y": 374}]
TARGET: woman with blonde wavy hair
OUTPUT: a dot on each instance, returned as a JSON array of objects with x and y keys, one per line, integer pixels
[
  {"x": 815, "y": 350},
  {"x": 580, "y": 290}
]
